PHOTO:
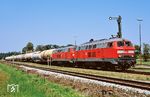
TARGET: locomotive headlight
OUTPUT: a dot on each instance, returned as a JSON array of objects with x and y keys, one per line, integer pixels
[
  {"x": 120, "y": 56},
  {"x": 131, "y": 51},
  {"x": 120, "y": 51}
]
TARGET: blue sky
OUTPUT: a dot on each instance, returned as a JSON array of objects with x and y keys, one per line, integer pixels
[{"x": 62, "y": 21}]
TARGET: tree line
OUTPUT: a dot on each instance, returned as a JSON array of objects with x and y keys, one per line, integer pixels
[
  {"x": 30, "y": 47},
  {"x": 145, "y": 52},
  {"x": 3, "y": 55}
]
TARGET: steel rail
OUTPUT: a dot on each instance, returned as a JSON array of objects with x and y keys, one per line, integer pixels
[{"x": 127, "y": 71}]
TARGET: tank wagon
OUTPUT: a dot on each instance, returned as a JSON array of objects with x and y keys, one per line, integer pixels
[
  {"x": 114, "y": 53},
  {"x": 46, "y": 55},
  {"x": 36, "y": 57}
]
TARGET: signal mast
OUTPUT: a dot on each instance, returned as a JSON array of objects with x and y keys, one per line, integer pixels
[{"x": 119, "y": 34}]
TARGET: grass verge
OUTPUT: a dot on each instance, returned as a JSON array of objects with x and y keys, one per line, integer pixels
[
  {"x": 143, "y": 62},
  {"x": 142, "y": 66},
  {"x": 31, "y": 85}
]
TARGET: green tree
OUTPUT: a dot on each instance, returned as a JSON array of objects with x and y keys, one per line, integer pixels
[
  {"x": 29, "y": 47},
  {"x": 24, "y": 50},
  {"x": 43, "y": 47},
  {"x": 39, "y": 48},
  {"x": 146, "y": 50},
  {"x": 49, "y": 46},
  {"x": 137, "y": 50},
  {"x": 55, "y": 46}
]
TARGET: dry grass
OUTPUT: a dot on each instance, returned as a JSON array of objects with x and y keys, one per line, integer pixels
[
  {"x": 3, "y": 78},
  {"x": 143, "y": 68}
]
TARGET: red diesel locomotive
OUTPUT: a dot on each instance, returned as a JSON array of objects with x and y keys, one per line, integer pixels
[{"x": 115, "y": 53}]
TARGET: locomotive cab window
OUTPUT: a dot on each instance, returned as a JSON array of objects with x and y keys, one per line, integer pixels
[
  {"x": 82, "y": 47},
  {"x": 68, "y": 49},
  {"x": 86, "y": 47},
  {"x": 79, "y": 48},
  {"x": 128, "y": 43},
  {"x": 99, "y": 45},
  {"x": 120, "y": 43},
  {"x": 110, "y": 44},
  {"x": 94, "y": 46},
  {"x": 90, "y": 46}
]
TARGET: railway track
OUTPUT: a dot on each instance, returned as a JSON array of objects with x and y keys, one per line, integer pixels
[
  {"x": 127, "y": 71},
  {"x": 136, "y": 72},
  {"x": 130, "y": 83}
]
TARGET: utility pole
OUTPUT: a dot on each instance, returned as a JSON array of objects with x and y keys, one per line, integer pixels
[
  {"x": 140, "y": 20},
  {"x": 74, "y": 60},
  {"x": 75, "y": 42},
  {"x": 13, "y": 59},
  {"x": 119, "y": 18},
  {"x": 48, "y": 60}
]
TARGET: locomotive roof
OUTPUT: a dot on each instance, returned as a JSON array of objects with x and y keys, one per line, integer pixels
[
  {"x": 104, "y": 41},
  {"x": 65, "y": 47}
]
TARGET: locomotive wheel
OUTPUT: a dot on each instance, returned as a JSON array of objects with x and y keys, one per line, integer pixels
[{"x": 123, "y": 69}]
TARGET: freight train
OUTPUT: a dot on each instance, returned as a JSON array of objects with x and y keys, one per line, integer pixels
[{"x": 111, "y": 54}]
